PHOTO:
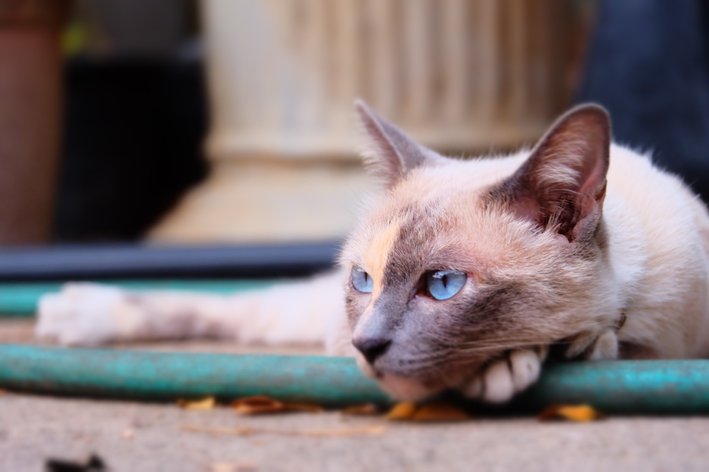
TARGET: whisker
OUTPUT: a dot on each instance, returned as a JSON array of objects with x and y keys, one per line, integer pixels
[
  {"x": 454, "y": 353},
  {"x": 503, "y": 347}
]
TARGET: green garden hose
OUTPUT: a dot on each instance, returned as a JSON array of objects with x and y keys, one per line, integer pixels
[{"x": 648, "y": 387}]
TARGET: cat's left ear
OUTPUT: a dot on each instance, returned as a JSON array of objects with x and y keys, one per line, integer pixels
[
  {"x": 387, "y": 151},
  {"x": 563, "y": 182}
]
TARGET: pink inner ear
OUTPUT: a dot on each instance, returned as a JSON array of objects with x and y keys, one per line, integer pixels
[
  {"x": 594, "y": 180},
  {"x": 563, "y": 181},
  {"x": 528, "y": 209}
]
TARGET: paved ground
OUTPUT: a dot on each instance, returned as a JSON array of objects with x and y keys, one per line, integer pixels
[
  {"x": 140, "y": 437},
  {"x": 148, "y": 437}
]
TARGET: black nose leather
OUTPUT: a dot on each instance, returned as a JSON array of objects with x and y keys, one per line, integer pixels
[{"x": 372, "y": 348}]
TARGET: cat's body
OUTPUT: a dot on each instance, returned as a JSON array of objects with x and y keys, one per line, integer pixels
[{"x": 547, "y": 254}]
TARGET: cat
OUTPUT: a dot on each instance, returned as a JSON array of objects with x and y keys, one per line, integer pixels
[{"x": 462, "y": 274}]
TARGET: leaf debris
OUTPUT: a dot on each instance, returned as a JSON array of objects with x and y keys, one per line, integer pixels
[
  {"x": 203, "y": 404},
  {"x": 365, "y": 409},
  {"x": 402, "y": 411},
  {"x": 576, "y": 413},
  {"x": 434, "y": 411},
  {"x": 259, "y": 405},
  {"x": 248, "y": 431}
]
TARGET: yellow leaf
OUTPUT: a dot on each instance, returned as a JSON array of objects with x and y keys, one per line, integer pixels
[
  {"x": 402, "y": 411},
  {"x": 204, "y": 404},
  {"x": 259, "y": 405},
  {"x": 578, "y": 413},
  {"x": 433, "y": 411}
]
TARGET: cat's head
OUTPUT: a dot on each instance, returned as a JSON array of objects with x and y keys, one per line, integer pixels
[{"x": 458, "y": 261}]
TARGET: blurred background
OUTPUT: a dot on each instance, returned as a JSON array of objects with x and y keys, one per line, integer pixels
[{"x": 229, "y": 122}]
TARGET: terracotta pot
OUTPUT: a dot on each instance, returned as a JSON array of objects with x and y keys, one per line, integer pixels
[{"x": 30, "y": 98}]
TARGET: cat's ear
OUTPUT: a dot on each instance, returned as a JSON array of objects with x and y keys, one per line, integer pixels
[
  {"x": 563, "y": 182},
  {"x": 387, "y": 151}
]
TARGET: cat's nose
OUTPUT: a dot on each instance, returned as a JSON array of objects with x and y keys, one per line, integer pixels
[{"x": 372, "y": 348}]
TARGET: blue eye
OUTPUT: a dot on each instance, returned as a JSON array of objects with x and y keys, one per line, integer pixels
[
  {"x": 443, "y": 284},
  {"x": 361, "y": 280}
]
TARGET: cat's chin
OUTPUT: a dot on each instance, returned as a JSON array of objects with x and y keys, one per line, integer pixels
[
  {"x": 404, "y": 389},
  {"x": 400, "y": 388}
]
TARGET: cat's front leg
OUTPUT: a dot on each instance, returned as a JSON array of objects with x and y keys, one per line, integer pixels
[
  {"x": 90, "y": 314},
  {"x": 83, "y": 314},
  {"x": 594, "y": 347},
  {"x": 505, "y": 377},
  {"x": 298, "y": 312}
]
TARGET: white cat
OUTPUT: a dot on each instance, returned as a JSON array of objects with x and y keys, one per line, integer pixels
[{"x": 462, "y": 274}]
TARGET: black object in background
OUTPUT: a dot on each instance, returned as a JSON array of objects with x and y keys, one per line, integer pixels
[
  {"x": 132, "y": 144},
  {"x": 647, "y": 65},
  {"x": 105, "y": 262}
]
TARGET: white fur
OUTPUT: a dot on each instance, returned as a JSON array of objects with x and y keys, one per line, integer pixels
[
  {"x": 297, "y": 312},
  {"x": 503, "y": 378}
]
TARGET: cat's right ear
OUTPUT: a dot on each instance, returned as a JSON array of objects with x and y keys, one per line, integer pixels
[{"x": 387, "y": 151}]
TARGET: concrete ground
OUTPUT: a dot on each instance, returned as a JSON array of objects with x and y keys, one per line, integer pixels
[{"x": 133, "y": 436}]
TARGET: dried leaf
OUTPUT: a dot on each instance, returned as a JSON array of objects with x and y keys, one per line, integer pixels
[
  {"x": 256, "y": 402},
  {"x": 240, "y": 431},
  {"x": 434, "y": 411},
  {"x": 366, "y": 409},
  {"x": 246, "y": 431},
  {"x": 259, "y": 405},
  {"x": 402, "y": 411},
  {"x": 439, "y": 411},
  {"x": 304, "y": 407},
  {"x": 578, "y": 413},
  {"x": 373, "y": 430},
  {"x": 204, "y": 404}
]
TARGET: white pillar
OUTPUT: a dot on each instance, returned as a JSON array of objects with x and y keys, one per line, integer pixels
[{"x": 461, "y": 76}]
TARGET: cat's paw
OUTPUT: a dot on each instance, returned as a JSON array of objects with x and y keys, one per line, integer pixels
[
  {"x": 594, "y": 347},
  {"x": 605, "y": 347},
  {"x": 81, "y": 314},
  {"x": 502, "y": 379}
]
